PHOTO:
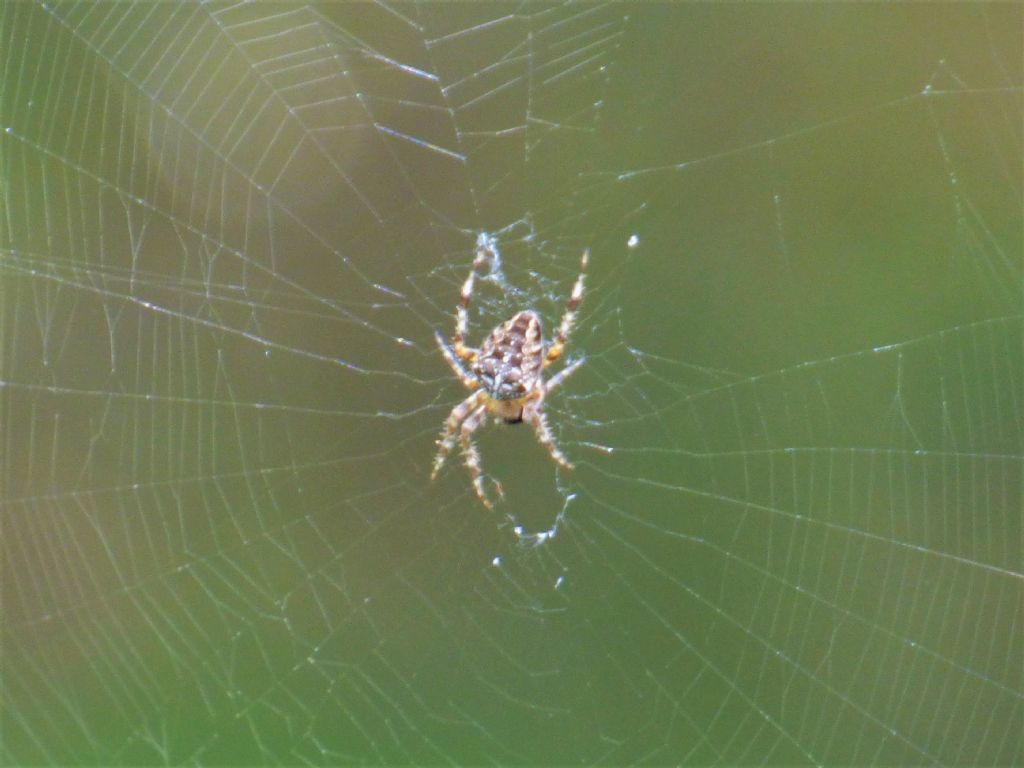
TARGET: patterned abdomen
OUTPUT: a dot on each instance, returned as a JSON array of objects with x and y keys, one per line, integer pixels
[{"x": 510, "y": 359}]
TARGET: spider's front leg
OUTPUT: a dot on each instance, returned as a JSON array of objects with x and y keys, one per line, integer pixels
[
  {"x": 472, "y": 456},
  {"x": 451, "y": 424},
  {"x": 533, "y": 414}
]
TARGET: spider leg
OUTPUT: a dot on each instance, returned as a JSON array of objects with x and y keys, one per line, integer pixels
[
  {"x": 472, "y": 456},
  {"x": 562, "y": 375},
  {"x": 484, "y": 248},
  {"x": 555, "y": 350},
  {"x": 448, "y": 435},
  {"x": 533, "y": 414},
  {"x": 469, "y": 381}
]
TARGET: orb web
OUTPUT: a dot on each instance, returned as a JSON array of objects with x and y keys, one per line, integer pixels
[{"x": 229, "y": 234}]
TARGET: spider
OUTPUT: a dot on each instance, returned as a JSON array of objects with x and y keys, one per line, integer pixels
[{"x": 504, "y": 375}]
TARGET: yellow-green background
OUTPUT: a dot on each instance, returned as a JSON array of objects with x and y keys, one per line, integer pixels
[{"x": 793, "y": 534}]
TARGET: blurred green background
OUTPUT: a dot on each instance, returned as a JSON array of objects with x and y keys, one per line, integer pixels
[{"x": 793, "y": 534}]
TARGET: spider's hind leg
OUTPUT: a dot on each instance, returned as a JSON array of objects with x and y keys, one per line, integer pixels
[
  {"x": 559, "y": 378},
  {"x": 469, "y": 381},
  {"x": 484, "y": 248},
  {"x": 565, "y": 327}
]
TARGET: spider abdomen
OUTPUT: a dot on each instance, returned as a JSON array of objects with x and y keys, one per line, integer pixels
[{"x": 511, "y": 357}]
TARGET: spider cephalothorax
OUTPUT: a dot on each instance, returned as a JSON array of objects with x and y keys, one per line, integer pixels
[{"x": 504, "y": 374}]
